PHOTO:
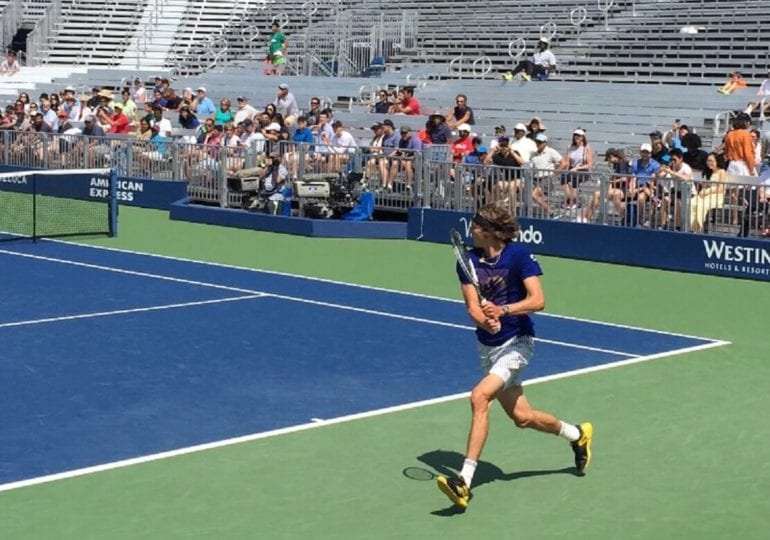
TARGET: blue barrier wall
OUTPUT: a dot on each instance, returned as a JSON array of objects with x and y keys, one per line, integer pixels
[
  {"x": 327, "y": 228},
  {"x": 158, "y": 194},
  {"x": 687, "y": 252}
]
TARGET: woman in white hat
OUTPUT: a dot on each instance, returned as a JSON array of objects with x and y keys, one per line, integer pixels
[{"x": 578, "y": 160}]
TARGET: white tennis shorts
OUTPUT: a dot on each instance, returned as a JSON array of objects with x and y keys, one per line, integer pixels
[{"x": 508, "y": 360}]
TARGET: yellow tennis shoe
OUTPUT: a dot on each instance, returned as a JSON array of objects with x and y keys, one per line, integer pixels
[{"x": 582, "y": 447}]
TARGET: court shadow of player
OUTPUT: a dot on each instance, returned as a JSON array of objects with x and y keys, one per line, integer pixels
[{"x": 448, "y": 463}]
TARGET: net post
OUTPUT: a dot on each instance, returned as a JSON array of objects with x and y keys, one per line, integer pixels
[
  {"x": 113, "y": 206},
  {"x": 34, "y": 208}
]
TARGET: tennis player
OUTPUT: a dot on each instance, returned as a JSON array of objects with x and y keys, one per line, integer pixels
[{"x": 509, "y": 278}]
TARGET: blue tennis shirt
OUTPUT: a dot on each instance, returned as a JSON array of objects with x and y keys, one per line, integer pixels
[{"x": 502, "y": 282}]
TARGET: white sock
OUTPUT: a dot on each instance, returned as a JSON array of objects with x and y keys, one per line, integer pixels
[
  {"x": 569, "y": 432},
  {"x": 469, "y": 469}
]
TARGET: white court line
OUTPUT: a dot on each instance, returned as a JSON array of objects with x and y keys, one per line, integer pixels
[
  {"x": 355, "y": 285},
  {"x": 129, "y": 310},
  {"x": 296, "y": 299},
  {"x": 317, "y": 422}
]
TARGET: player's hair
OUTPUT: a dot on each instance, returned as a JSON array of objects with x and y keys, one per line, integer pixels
[{"x": 497, "y": 218}]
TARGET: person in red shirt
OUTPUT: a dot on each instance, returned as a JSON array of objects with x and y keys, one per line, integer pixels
[
  {"x": 463, "y": 145},
  {"x": 119, "y": 123},
  {"x": 407, "y": 103}
]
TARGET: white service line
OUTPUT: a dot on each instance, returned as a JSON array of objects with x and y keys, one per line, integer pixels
[
  {"x": 128, "y": 310},
  {"x": 317, "y": 422},
  {"x": 297, "y": 299}
]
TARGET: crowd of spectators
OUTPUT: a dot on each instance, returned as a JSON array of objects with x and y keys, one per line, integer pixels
[{"x": 644, "y": 189}]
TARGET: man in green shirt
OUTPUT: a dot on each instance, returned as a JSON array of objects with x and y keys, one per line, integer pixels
[{"x": 277, "y": 49}]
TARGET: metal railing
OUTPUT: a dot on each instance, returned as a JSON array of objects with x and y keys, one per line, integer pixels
[
  {"x": 10, "y": 20},
  {"x": 398, "y": 181},
  {"x": 38, "y": 39}
]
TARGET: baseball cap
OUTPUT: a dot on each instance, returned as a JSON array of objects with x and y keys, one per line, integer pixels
[
  {"x": 90, "y": 118},
  {"x": 579, "y": 131},
  {"x": 482, "y": 150},
  {"x": 503, "y": 140},
  {"x": 283, "y": 86},
  {"x": 241, "y": 98},
  {"x": 657, "y": 134},
  {"x": 201, "y": 89},
  {"x": 69, "y": 88},
  {"x": 519, "y": 127},
  {"x": 544, "y": 40},
  {"x": 500, "y": 128},
  {"x": 388, "y": 122},
  {"x": 376, "y": 125},
  {"x": 541, "y": 137},
  {"x": 405, "y": 129},
  {"x": 273, "y": 127},
  {"x": 247, "y": 123},
  {"x": 646, "y": 147},
  {"x": 464, "y": 127},
  {"x": 62, "y": 113},
  {"x": 118, "y": 105}
]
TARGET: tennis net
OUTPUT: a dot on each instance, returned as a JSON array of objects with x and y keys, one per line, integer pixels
[{"x": 45, "y": 204}]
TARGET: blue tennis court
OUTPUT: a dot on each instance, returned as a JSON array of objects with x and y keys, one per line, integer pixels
[{"x": 111, "y": 355}]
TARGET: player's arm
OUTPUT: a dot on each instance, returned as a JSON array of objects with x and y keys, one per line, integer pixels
[
  {"x": 474, "y": 309},
  {"x": 534, "y": 301}
]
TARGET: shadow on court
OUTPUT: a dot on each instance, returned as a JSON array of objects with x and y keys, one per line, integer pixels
[{"x": 449, "y": 463}]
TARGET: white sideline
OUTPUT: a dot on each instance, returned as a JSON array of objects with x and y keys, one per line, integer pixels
[{"x": 316, "y": 422}]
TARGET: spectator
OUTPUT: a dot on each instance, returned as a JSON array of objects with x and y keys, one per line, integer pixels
[
  {"x": 119, "y": 123},
  {"x": 188, "y": 98},
  {"x": 709, "y": 196},
  {"x": 671, "y": 137},
  {"x": 173, "y": 102},
  {"x": 7, "y": 119},
  {"x": 499, "y": 132},
  {"x": 203, "y": 106},
  {"x": 390, "y": 141},
  {"x": 302, "y": 134},
  {"x": 245, "y": 111},
  {"x": 10, "y": 65},
  {"x": 129, "y": 106},
  {"x": 139, "y": 92},
  {"x": 224, "y": 115},
  {"x": 659, "y": 150},
  {"x": 544, "y": 161},
  {"x": 85, "y": 108},
  {"x": 503, "y": 157},
  {"x": 763, "y": 94},
  {"x": 91, "y": 128},
  {"x": 407, "y": 103},
  {"x": 145, "y": 130},
  {"x": 734, "y": 82},
  {"x": 164, "y": 124},
  {"x": 286, "y": 105},
  {"x": 277, "y": 46},
  {"x": 617, "y": 189},
  {"x": 343, "y": 147},
  {"x": 438, "y": 130},
  {"x": 39, "y": 125},
  {"x": 577, "y": 162},
  {"x": 694, "y": 156},
  {"x": 383, "y": 105},
  {"x": 187, "y": 119},
  {"x": 534, "y": 127},
  {"x": 461, "y": 114},
  {"x": 542, "y": 64},
  {"x": 95, "y": 99},
  {"x": 523, "y": 146},
  {"x": 645, "y": 170},
  {"x": 675, "y": 177},
  {"x": 757, "y": 144},
  {"x": 739, "y": 150},
  {"x": 252, "y": 137},
  {"x": 463, "y": 144},
  {"x": 270, "y": 112},
  {"x": 203, "y": 130},
  {"x": 50, "y": 116},
  {"x": 478, "y": 156},
  {"x": 272, "y": 183},
  {"x": 403, "y": 156},
  {"x": 314, "y": 112},
  {"x": 374, "y": 151}
]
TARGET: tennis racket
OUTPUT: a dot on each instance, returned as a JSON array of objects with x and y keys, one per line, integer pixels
[{"x": 466, "y": 266}]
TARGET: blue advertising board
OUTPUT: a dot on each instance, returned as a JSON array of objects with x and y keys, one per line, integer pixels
[
  {"x": 687, "y": 252},
  {"x": 158, "y": 194}
]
